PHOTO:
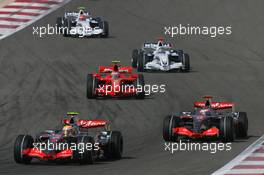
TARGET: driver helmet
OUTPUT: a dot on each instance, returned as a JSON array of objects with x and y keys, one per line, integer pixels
[
  {"x": 115, "y": 73},
  {"x": 115, "y": 68},
  {"x": 160, "y": 42},
  {"x": 74, "y": 119},
  {"x": 82, "y": 17},
  {"x": 68, "y": 131}
]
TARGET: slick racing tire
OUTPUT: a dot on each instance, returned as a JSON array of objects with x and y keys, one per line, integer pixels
[
  {"x": 114, "y": 149},
  {"x": 22, "y": 143},
  {"x": 141, "y": 62},
  {"x": 227, "y": 132},
  {"x": 105, "y": 27},
  {"x": 67, "y": 27},
  {"x": 91, "y": 85},
  {"x": 242, "y": 125},
  {"x": 59, "y": 24},
  {"x": 84, "y": 155},
  {"x": 186, "y": 62},
  {"x": 169, "y": 123},
  {"x": 134, "y": 58},
  {"x": 140, "y": 84}
]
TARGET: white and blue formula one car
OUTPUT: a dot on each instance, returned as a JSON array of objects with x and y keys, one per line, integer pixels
[
  {"x": 160, "y": 56},
  {"x": 81, "y": 24}
]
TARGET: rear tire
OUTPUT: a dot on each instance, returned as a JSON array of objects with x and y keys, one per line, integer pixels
[
  {"x": 91, "y": 85},
  {"x": 114, "y": 150},
  {"x": 242, "y": 125},
  {"x": 134, "y": 58},
  {"x": 169, "y": 123},
  {"x": 227, "y": 132},
  {"x": 22, "y": 142}
]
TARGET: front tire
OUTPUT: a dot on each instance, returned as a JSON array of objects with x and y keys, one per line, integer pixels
[
  {"x": 67, "y": 27},
  {"x": 134, "y": 58},
  {"x": 169, "y": 123},
  {"x": 141, "y": 63},
  {"x": 22, "y": 143},
  {"x": 91, "y": 85},
  {"x": 59, "y": 24},
  {"x": 105, "y": 27},
  {"x": 114, "y": 150},
  {"x": 186, "y": 62},
  {"x": 227, "y": 132},
  {"x": 140, "y": 82},
  {"x": 242, "y": 125}
]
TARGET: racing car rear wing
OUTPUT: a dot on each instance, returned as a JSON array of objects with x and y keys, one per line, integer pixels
[
  {"x": 154, "y": 45},
  {"x": 88, "y": 123},
  {"x": 75, "y": 14},
  {"x": 109, "y": 69},
  {"x": 215, "y": 105}
]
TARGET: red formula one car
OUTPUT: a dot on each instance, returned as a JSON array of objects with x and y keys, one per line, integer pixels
[
  {"x": 115, "y": 81},
  {"x": 209, "y": 120},
  {"x": 77, "y": 141}
]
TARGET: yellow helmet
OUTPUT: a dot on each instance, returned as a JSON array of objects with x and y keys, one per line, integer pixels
[{"x": 67, "y": 130}]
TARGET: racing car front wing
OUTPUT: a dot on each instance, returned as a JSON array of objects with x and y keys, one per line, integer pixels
[{"x": 188, "y": 133}]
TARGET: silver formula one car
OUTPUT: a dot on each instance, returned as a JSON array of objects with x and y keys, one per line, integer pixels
[
  {"x": 81, "y": 24},
  {"x": 160, "y": 56}
]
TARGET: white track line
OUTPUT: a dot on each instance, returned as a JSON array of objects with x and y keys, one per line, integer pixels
[
  {"x": 246, "y": 171},
  {"x": 7, "y": 32},
  {"x": 32, "y": 4},
  {"x": 16, "y": 16},
  {"x": 11, "y": 23},
  {"x": 21, "y": 10},
  {"x": 257, "y": 155},
  {"x": 237, "y": 160},
  {"x": 251, "y": 163}
]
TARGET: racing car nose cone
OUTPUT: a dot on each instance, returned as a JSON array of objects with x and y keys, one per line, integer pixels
[{"x": 164, "y": 62}]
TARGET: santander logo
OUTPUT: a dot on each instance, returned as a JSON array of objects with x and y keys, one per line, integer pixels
[
  {"x": 92, "y": 123},
  {"x": 216, "y": 105}
]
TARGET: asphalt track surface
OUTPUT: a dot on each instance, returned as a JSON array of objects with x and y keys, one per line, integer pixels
[{"x": 42, "y": 78}]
